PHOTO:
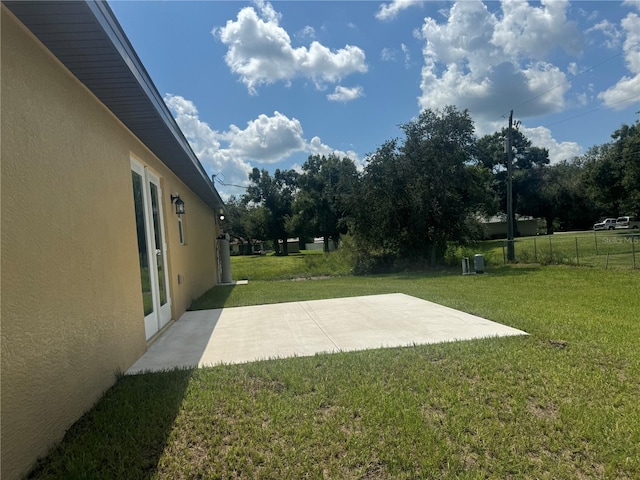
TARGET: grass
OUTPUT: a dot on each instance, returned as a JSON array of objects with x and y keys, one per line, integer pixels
[
  {"x": 560, "y": 403},
  {"x": 603, "y": 249},
  {"x": 307, "y": 263}
]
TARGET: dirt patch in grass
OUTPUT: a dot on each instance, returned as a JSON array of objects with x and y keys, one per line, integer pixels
[
  {"x": 375, "y": 471},
  {"x": 301, "y": 279},
  {"x": 255, "y": 385},
  {"x": 434, "y": 414},
  {"x": 543, "y": 412}
]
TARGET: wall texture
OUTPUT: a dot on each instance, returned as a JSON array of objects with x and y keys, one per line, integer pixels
[{"x": 71, "y": 296}]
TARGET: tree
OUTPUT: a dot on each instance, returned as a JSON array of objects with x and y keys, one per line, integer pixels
[
  {"x": 627, "y": 146},
  {"x": 603, "y": 174},
  {"x": 326, "y": 187},
  {"x": 528, "y": 171},
  {"x": 275, "y": 194},
  {"x": 246, "y": 223},
  {"x": 559, "y": 197},
  {"x": 564, "y": 191},
  {"x": 420, "y": 194},
  {"x": 234, "y": 221}
]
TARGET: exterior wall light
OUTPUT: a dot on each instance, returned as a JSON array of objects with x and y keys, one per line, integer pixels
[
  {"x": 221, "y": 215},
  {"x": 178, "y": 203}
]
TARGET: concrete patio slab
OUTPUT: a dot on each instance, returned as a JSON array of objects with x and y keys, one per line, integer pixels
[{"x": 244, "y": 334}]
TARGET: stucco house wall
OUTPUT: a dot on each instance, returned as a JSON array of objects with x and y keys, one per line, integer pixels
[
  {"x": 72, "y": 312},
  {"x": 195, "y": 261}
]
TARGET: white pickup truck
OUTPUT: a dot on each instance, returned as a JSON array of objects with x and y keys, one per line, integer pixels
[
  {"x": 606, "y": 224},
  {"x": 627, "y": 223}
]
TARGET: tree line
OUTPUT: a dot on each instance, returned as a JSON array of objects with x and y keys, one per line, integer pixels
[{"x": 431, "y": 189}]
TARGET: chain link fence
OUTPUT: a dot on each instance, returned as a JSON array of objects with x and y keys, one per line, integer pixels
[{"x": 598, "y": 249}]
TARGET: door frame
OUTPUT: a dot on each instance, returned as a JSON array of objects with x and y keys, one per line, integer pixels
[{"x": 161, "y": 314}]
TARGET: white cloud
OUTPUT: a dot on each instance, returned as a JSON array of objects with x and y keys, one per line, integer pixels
[
  {"x": 231, "y": 154},
  {"x": 391, "y": 55},
  {"x": 590, "y": 15},
  {"x": 632, "y": 3},
  {"x": 487, "y": 64},
  {"x": 610, "y": 31},
  {"x": 546, "y": 80},
  {"x": 205, "y": 142},
  {"x": 307, "y": 32},
  {"x": 267, "y": 139},
  {"x": 631, "y": 47},
  {"x": 465, "y": 38},
  {"x": 345, "y": 94},
  {"x": 627, "y": 90},
  {"x": 267, "y": 11},
  {"x": 260, "y": 52},
  {"x": 389, "y": 11},
  {"x": 535, "y": 31},
  {"x": 388, "y": 55},
  {"x": 558, "y": 151},
  {"x": 624, "y": 93},
  {"x": 316, "y": 147},
  {"x": 407, "y": 55},
  {"x": 582, "y": 99}
]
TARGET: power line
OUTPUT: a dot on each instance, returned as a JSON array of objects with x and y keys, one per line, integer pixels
[
  {"x": 569, "y": 80},
  {"x": 215, "y": 177},
  {"x": 562, "y": 83},
  {"x": 591, "y": 111}
]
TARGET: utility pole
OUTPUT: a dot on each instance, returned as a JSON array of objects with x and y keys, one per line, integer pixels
[{"x": 511, "y": 256}]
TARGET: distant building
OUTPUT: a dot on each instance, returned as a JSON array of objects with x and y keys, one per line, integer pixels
[
  {"x": 293, "y": 245},
  {"x": 318, "y": 245},
  {"x": 496, "y": 227},
  {"x": 238, "y": 247}
]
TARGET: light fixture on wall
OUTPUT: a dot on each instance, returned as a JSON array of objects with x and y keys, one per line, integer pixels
[
  {"x": 221, "y": 215},
  {"x": 178, "y": 203}
]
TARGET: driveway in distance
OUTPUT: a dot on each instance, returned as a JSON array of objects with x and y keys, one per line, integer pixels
[{"x": 245, "y": 334}]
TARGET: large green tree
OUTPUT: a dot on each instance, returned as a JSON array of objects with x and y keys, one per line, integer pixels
[
  {"x": 603, "y": 174},
  {"x": 611, "y": 174},
  {"x": 323, "y": 203},
  {"x": 274, "y": 193},
  {"x": 246, "y": 223},
  {"x": 559, "y": 197},
  {"x": 627, "y": 140},
  {"x": 528, "y": 172},
  {"x": 417, "y": 195}
]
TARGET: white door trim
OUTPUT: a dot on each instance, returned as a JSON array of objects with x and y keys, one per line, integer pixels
[{"x": 161, "y": 314}]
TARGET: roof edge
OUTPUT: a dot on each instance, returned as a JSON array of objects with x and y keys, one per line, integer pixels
[{"x": 171, "y": 147}]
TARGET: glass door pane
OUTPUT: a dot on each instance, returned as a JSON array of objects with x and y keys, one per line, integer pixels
[
  {"x": 159, "y": 244},
  {"x": 152, "y": 250},
  {"x": 143, "y": 252}
]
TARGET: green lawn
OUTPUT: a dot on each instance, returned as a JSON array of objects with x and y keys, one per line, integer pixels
[
  {"x": 618, "y": 249},
  {"x": 307, "y": 263},
  {"x": 559, "y": 403}
]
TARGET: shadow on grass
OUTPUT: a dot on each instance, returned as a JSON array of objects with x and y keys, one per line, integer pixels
[
  {"x": 213, "y": 298},
  {"x": 124, "y": 435}
]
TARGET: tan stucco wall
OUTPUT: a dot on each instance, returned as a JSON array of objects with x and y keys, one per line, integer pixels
[{"x": 71, "y": 311}]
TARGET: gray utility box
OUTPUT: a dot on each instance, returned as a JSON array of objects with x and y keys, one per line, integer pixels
[
  {"x": 465, "y": 266},
  {"x": 478, "y": 263}
]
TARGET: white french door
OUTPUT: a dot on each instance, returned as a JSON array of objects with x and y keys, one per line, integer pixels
[{"x": 152, "y": 248}]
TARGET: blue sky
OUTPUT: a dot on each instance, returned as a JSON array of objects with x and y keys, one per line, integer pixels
[{"x": 266, "y": 84}]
